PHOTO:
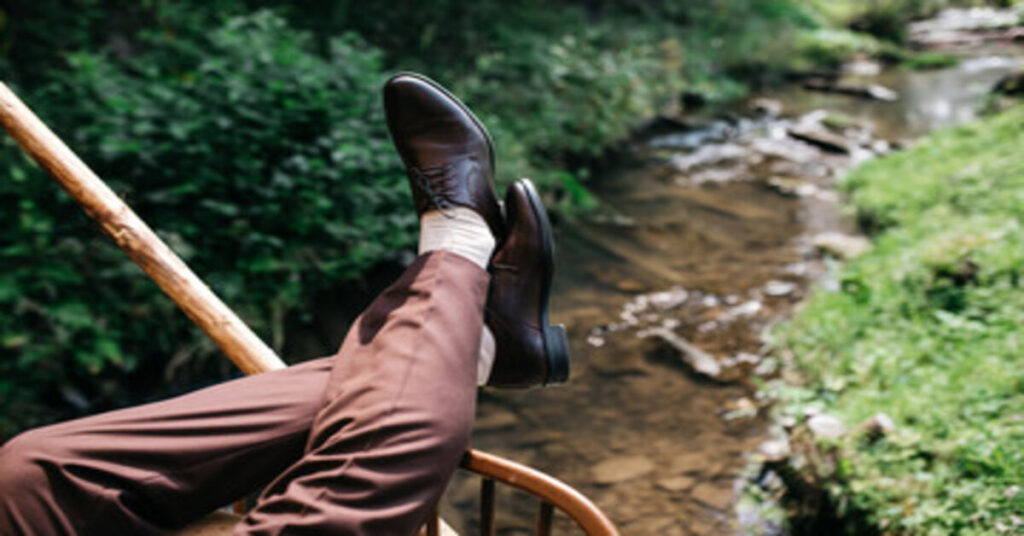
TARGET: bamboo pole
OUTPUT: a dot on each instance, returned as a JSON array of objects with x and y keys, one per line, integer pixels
[{"x": 119, "y": 222}]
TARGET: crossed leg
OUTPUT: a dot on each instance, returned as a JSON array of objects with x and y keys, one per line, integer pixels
[{"x": 360, "y": 443}]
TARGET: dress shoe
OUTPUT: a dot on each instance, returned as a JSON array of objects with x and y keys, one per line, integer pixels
[
  {"x": 448, "y": 154},
  {"x": 529, "y": 351}
]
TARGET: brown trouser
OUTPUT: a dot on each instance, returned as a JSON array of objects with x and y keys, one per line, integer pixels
[{"x": 360, "y": 443}]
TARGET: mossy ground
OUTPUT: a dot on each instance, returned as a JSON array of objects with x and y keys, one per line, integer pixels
[{"x": 927, "y": 328}]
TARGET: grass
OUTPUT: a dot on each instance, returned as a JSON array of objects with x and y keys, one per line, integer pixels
[
  {"x": 930, "y": 60},
  {"x": 928, "y": 328}
]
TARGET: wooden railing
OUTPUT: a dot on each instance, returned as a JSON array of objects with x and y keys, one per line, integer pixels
[{"x": 551, "y": 493}]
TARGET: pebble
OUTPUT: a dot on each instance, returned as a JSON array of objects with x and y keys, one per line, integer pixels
[
  {"x": 621, "y": 469},
  {"x": 778, "y": 288},
  {"x": 774, "y": 450},
  {"x": 769, "y": 107},
  {"x": 669, "y": 299},
  {"x": 879, "y": 425},
  {"x": 714, "y": 496},
  {"x": 707, "y": 155},
  {"x": 676, "y": 483},
  {"x": 825, "y": 426},
  {"x": 841, "y": 245},
  {"x": 689, "y": 462},
  {"x": 746, "y": 309}
]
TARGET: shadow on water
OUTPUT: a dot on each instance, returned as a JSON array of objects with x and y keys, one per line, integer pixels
[{"x": 708, "y": 242}]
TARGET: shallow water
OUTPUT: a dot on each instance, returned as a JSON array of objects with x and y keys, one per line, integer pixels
[{"x": 706, "y": 233}]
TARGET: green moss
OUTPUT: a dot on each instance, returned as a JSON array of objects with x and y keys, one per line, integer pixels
[
  {"x": 927, "y": 329},
  {"x": 930, "y": 60}
]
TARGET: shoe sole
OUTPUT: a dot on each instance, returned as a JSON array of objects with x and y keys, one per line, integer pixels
[{"x": 556, "y": 344}]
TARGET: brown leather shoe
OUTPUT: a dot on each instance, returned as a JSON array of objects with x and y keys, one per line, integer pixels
[
  {"x": 447, "y": 152},
  {"x": 529, "y": 350}
]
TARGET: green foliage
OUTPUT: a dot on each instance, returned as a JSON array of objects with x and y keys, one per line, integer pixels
[
  {"x": 265, "y": 165},
  {"x": 930, "y": 60},
  {"x": 830, "y": 48},
  {"x": 254, "y": 144},
  {"x": 927, "y": 330}
]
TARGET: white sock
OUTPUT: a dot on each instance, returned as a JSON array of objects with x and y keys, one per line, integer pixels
[
  {"x": 486, "y": 361},
  {"x": 463, "y": 232},
  {"x": 459, "y": 230}
]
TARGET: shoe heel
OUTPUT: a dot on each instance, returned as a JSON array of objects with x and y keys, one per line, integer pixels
[{"x": 558, "y": 355}]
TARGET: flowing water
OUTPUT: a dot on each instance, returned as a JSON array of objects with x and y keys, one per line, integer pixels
[{"x": 707, "y": 233}]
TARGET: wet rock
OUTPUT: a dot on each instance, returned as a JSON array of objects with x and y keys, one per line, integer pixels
[
  {"x": 769, "y": 107},
  {"x": 695, "y": 137},
  {"x": 767, "y": 367},
  {"x": 775, "y": 450},
  {"x": 825, "y": 426},
  {"x": 741, "y": 359},
  {"x": 705, "y": 327},
  {"x": 792, "y": 187},
  {"x": 676, "y": 483},
  {"x": 663, "y": 526},
  {"x": 1011, "y": 492},
  {"x": 699, "y": 360},
  {"x": 668, "y": 299},
  {"x": 621, "y": 469},
  {"x": 863, "y": 67},
  {"x": 742, "y": 408},
  {"x": 880, "y": 147},
  {"x": 878, "y": 426},
  {"x": 790, "y": 151},
  {"x": 953, "y": 21},
  {"x": 841, "y": 245},
  {"x": 715, "y": 176},
  {"x": 745, "y": 358},
  {"x": 818, "y": 136},
  {"x": 689, "y": 462},
  {"x": 715, "y": 496},
  {"x": 867, "y": 91},
  {"x": 776, "y": 288},
  {"x": 749, "y": 308},
  {"x": 707, "y": 155}
]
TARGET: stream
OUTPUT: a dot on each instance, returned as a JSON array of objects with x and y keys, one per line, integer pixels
[{"x": 710, "y": 230}]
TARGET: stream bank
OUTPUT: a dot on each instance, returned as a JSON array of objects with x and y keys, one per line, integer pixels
[{"x": 711, "y": 231}]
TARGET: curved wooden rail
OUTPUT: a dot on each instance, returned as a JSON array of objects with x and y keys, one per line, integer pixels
[
  {"x": 551, "y": 491},
  {"x": 233, "y": 336}
]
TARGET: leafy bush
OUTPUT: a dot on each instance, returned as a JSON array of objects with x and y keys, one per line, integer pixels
[
  {"x": 264, "y": 164},
  {"x": 830, "y": 48},
  {"x": 926, "y": 329},
  {"x": 258, "y": 150}
]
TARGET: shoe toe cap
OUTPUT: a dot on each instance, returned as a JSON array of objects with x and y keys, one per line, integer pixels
[{"x": 410, "y": 98}]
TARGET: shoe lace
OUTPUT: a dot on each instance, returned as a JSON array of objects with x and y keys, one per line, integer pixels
[{"x": 434, "y": 182}]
